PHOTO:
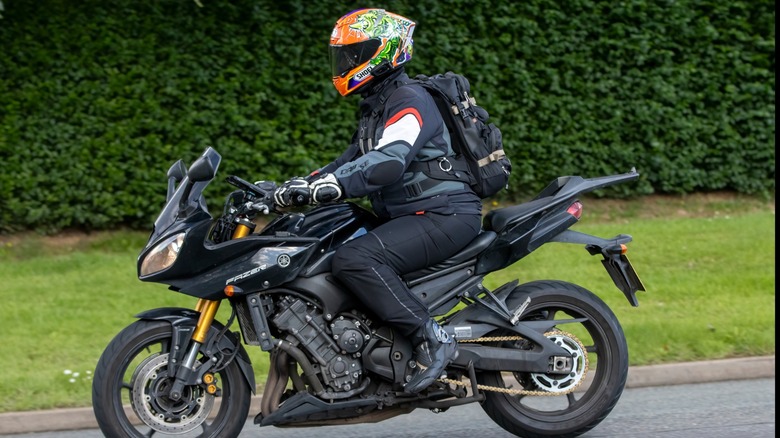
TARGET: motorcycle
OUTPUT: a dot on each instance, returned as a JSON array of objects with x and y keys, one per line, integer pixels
[{"x": 544, "y": 358}]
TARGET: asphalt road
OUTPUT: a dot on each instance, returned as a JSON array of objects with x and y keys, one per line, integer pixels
[{"x": 726, "y": 409}]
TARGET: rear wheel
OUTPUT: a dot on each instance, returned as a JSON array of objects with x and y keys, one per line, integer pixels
[
  {"x": 600, "y": 365},
  {"x": 132, "y": 380}
]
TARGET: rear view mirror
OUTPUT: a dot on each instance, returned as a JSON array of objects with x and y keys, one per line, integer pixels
[
  {"x": 201, "y": 170},
  {"x": 175, "y": 174},
  {"x": 177, "y": 171}
]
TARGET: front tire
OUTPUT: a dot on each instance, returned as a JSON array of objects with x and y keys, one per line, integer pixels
[
  {"x": 130, "y": 382},
  {"x": 605, "y": 351}
]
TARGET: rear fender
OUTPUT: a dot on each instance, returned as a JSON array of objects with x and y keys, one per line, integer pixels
[
  {"x": 615, "y": 260},
  {"x": 183, "y": 322}
]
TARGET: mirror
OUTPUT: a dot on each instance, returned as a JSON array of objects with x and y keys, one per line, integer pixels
[
  {"x": 201, "y": 170},
  {"x": 177, "y": 171},
  {"x": 175, "y": 175}
]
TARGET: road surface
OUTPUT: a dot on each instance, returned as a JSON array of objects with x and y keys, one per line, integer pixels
[{"x": 731, "y": 409}]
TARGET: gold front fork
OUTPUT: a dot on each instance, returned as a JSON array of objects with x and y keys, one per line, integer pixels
[
  {"x": 208, "y": 309},
  {"x": 242, "y": 230}
]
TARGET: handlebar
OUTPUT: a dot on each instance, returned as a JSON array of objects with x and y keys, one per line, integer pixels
[
  {"x": 265, "y": 190},
  {"x": 256, "y": 197}
]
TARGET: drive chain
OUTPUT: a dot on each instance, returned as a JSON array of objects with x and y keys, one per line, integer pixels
[{"x": 523, "y": 391}]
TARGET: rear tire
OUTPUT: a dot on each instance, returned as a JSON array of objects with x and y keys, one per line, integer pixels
[
  {"x": 575, "y": 413},
  {"x": 129, "y": 386}
]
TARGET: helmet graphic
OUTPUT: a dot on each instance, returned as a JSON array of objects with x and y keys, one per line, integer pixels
[{"x": 365, "y": 39}]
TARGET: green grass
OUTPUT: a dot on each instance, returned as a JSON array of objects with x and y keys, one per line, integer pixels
[{"x": 708, "y": 267}]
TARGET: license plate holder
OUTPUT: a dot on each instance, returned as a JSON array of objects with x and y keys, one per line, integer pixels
[{"x": 624, "y": 276}]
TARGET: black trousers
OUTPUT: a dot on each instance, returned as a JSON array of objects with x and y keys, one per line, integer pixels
[{"x": 371, "y": 264}]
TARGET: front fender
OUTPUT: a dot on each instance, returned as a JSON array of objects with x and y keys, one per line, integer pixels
[{"x": 184, "y": 321}]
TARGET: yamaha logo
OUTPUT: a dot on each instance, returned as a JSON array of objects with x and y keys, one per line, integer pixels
[{"x": 283, "y": 260}]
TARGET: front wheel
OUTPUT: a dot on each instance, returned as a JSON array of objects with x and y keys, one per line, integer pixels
[
  {"x": 132, "y": 380},
  {"x": 548, "y": 406}
]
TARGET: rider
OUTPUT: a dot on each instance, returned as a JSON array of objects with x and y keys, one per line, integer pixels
[{"x": 424, "y": 221}]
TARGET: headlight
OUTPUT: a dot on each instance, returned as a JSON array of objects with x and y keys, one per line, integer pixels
[{"x": 163, "y": 255}]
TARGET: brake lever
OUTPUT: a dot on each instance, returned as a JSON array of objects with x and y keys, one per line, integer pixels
[{"x": 260, "y": 207}]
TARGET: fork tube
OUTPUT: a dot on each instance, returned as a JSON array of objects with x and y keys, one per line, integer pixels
[
  {"x": 243, "y": 228},
  {"x": 200, "y": 304},
  {"x": 207, "y": 309}
]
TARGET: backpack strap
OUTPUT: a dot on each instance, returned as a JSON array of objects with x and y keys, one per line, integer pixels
[
  {"x": 368, "y": 122},
  {"x": 444, "y": 168},
  {"x": 438, "y": 170},
  {"x": 494, "y": 156}
]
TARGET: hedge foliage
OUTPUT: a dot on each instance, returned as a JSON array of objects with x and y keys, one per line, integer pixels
[{"x": 98, "y": 97}]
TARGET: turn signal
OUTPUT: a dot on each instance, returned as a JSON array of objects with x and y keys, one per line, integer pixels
[{"x": 231, "y": 290}]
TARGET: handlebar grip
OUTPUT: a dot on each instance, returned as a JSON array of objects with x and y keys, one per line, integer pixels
[
  {"x": 264, "y": 191},
  {"x": 238, "y": 182}
]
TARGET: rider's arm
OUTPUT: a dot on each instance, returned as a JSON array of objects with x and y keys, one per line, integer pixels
[{"x": 405, "y": 132}]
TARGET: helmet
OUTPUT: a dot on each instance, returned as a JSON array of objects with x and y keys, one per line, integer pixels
[{"x": 364, "y": 40}]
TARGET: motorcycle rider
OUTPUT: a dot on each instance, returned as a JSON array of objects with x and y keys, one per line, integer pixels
[{"x": 424, "y": 221}]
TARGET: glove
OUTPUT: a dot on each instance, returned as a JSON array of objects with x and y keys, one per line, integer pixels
[
  {"x": 295, "y": 192},
  {"x": 326, "y": 188}
]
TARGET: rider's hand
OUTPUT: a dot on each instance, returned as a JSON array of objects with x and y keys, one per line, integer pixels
[
  {"x": 325, "y": 188},
  {"x": 294, "y": 192}
]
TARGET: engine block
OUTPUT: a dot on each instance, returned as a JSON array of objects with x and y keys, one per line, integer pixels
[{"x": 335, "y": 348}]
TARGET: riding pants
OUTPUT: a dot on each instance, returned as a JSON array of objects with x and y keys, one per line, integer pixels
[{"x": 371, "y": 265}]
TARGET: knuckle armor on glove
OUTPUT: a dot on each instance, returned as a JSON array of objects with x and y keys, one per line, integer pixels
[
  {"x": 294, "y": 192},
  {"x": 326, "y": 189}
]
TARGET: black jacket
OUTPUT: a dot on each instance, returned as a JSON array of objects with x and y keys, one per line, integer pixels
[{"x": 410, "y": 128}]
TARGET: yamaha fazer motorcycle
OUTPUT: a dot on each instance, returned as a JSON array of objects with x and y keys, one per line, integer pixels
[{"x": 545, "y": 358}]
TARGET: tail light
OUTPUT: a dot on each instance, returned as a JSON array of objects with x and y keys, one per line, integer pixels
[{"x": 575, "y": 209}]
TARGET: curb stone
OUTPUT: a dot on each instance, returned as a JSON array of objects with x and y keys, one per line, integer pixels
[{"x": 640, "y": 376}]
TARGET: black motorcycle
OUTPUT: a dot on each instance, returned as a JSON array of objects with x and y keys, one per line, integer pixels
[{"x": 545, "y": 358}]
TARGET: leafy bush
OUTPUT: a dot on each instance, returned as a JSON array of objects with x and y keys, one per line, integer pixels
[{"x": 97, "y": 98}]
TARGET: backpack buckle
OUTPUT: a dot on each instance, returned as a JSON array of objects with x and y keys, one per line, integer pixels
[{"x": 444, "y": 164}]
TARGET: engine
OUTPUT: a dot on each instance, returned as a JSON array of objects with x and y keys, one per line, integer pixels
[{"x": 335, "y": 346}]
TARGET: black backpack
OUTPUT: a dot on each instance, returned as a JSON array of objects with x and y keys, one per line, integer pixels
[
  {"x": 479, "y": 157},
  {"x": 474, "y": 140}
]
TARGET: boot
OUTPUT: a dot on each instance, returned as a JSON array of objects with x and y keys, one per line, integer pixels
[{"x": 435, "y": 350}]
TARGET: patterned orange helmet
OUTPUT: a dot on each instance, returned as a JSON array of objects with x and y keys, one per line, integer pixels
[{"x": 365, "y": 39}]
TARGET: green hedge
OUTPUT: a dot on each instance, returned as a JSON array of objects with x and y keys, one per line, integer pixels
[{"x": 98, "y": 97}]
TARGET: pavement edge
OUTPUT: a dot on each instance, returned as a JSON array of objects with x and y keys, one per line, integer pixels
[{"x": 641, "y": 376}]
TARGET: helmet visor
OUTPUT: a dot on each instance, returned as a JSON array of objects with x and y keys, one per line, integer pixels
[{"x": 344, "y": 58}]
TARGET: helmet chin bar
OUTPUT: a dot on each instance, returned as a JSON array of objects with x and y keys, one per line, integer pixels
[{"x": 382, "y": 69}]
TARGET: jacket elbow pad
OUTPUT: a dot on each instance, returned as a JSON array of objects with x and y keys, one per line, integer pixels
[{"x": 386, "y": 173}]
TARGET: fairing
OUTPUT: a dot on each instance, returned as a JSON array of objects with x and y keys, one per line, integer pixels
[{"x": 272, "y": 257}]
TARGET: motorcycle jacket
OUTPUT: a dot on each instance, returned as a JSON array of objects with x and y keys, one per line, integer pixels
[{"x": 377, "y": 163}]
